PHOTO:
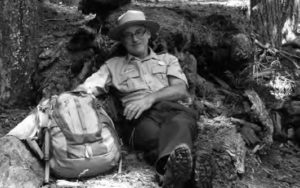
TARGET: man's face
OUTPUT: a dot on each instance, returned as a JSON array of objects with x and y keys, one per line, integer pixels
[{"x": 135, "y": 39}]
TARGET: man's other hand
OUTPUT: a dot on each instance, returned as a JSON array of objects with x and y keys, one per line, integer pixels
[{"x": 134, "y": 109}]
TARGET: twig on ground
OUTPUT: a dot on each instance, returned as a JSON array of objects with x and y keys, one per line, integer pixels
[
  {"x": 120, "y": 166},
  {"x": 257, "y": 147},
  {"x": 246, "y": 123}
]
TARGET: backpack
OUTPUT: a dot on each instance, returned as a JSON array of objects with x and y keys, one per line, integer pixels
[{"x": 80, "y": 139}]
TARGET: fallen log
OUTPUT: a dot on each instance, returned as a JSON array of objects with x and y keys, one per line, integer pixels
[
  {"x": 219, "y": 139},
  {"x": 260, "y": 111},
  {"x": 249, "y": 132}
]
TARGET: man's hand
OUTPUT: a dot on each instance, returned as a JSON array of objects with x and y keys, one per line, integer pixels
[
  {"x": 134, "y": 109},
  {"x": 175, "y": 91}
]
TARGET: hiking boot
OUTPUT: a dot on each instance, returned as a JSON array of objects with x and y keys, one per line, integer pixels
[
  {"x": 203, "y": 170},
  {"x": 178, "y": 167}
]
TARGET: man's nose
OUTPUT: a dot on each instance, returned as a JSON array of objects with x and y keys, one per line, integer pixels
[{"x": 134, "y": 37}]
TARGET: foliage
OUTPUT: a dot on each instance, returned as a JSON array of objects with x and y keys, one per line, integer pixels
[{"x": 272, "y": 70}]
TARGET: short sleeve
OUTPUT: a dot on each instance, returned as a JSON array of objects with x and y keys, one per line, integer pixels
[
  {"x": 174, "y": 68},
  {"x": 100, "y": 80}
]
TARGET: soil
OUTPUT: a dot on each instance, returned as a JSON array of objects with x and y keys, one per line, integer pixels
[{"x": 279, "y": 168}]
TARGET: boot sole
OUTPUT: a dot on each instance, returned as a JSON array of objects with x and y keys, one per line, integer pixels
[{"x": 180, "y": 163}]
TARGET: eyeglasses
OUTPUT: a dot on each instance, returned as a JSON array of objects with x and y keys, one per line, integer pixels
[{"x": 139, "y": 33}]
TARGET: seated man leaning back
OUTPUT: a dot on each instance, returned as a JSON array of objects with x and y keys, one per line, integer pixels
[{"x": 150, "y": 86}]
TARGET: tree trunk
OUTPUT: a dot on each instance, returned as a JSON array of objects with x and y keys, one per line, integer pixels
[
  {"x": 274, "y": 20},
  {"x": 18, "y": 45}
]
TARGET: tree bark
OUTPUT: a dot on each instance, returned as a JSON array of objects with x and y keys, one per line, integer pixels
[
  {"x": 274, "y": 20},
  {"x": 18, "y": 45}
]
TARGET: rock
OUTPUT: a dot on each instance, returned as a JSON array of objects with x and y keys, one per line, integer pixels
[{"x": 19, "y": 168}]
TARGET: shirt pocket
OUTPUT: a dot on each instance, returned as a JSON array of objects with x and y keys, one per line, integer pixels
[
  {"x": 131, "y": 81},
  {"x": 160, "y": 72}
]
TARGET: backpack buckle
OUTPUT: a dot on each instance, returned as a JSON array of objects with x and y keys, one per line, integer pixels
[{"x": 88, "y": 151}]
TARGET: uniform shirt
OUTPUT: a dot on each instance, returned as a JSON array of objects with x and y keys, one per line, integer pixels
[{"x": 134, "y": 78}]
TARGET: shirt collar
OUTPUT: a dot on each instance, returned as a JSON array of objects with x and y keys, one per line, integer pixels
[{"x": 152, "y": 55}]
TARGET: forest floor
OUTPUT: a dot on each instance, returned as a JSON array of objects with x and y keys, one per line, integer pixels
[{"x": 279, "y": 169}]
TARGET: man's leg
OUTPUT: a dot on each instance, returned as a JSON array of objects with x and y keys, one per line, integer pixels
[
  {"x": 178, "y": 129},
  {"x": 172, "y": 128},
  {"x": 145, "y": 138}
]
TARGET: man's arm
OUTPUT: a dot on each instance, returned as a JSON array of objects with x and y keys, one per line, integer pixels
[
  {"x": 96, "y": 84},
  {"x": 176, "y": 90}
]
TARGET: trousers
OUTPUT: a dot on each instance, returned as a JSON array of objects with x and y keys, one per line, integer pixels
[{"x": 160, "y": 129}]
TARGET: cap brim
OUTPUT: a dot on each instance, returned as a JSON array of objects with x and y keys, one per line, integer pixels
[{"x": 116, "y": 32}]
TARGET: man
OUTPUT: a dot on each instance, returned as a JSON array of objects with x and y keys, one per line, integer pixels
[{"x": 149, "y": 86}]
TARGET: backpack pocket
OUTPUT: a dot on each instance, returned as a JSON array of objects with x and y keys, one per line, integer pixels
[{"x": 89, "y": 150}]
